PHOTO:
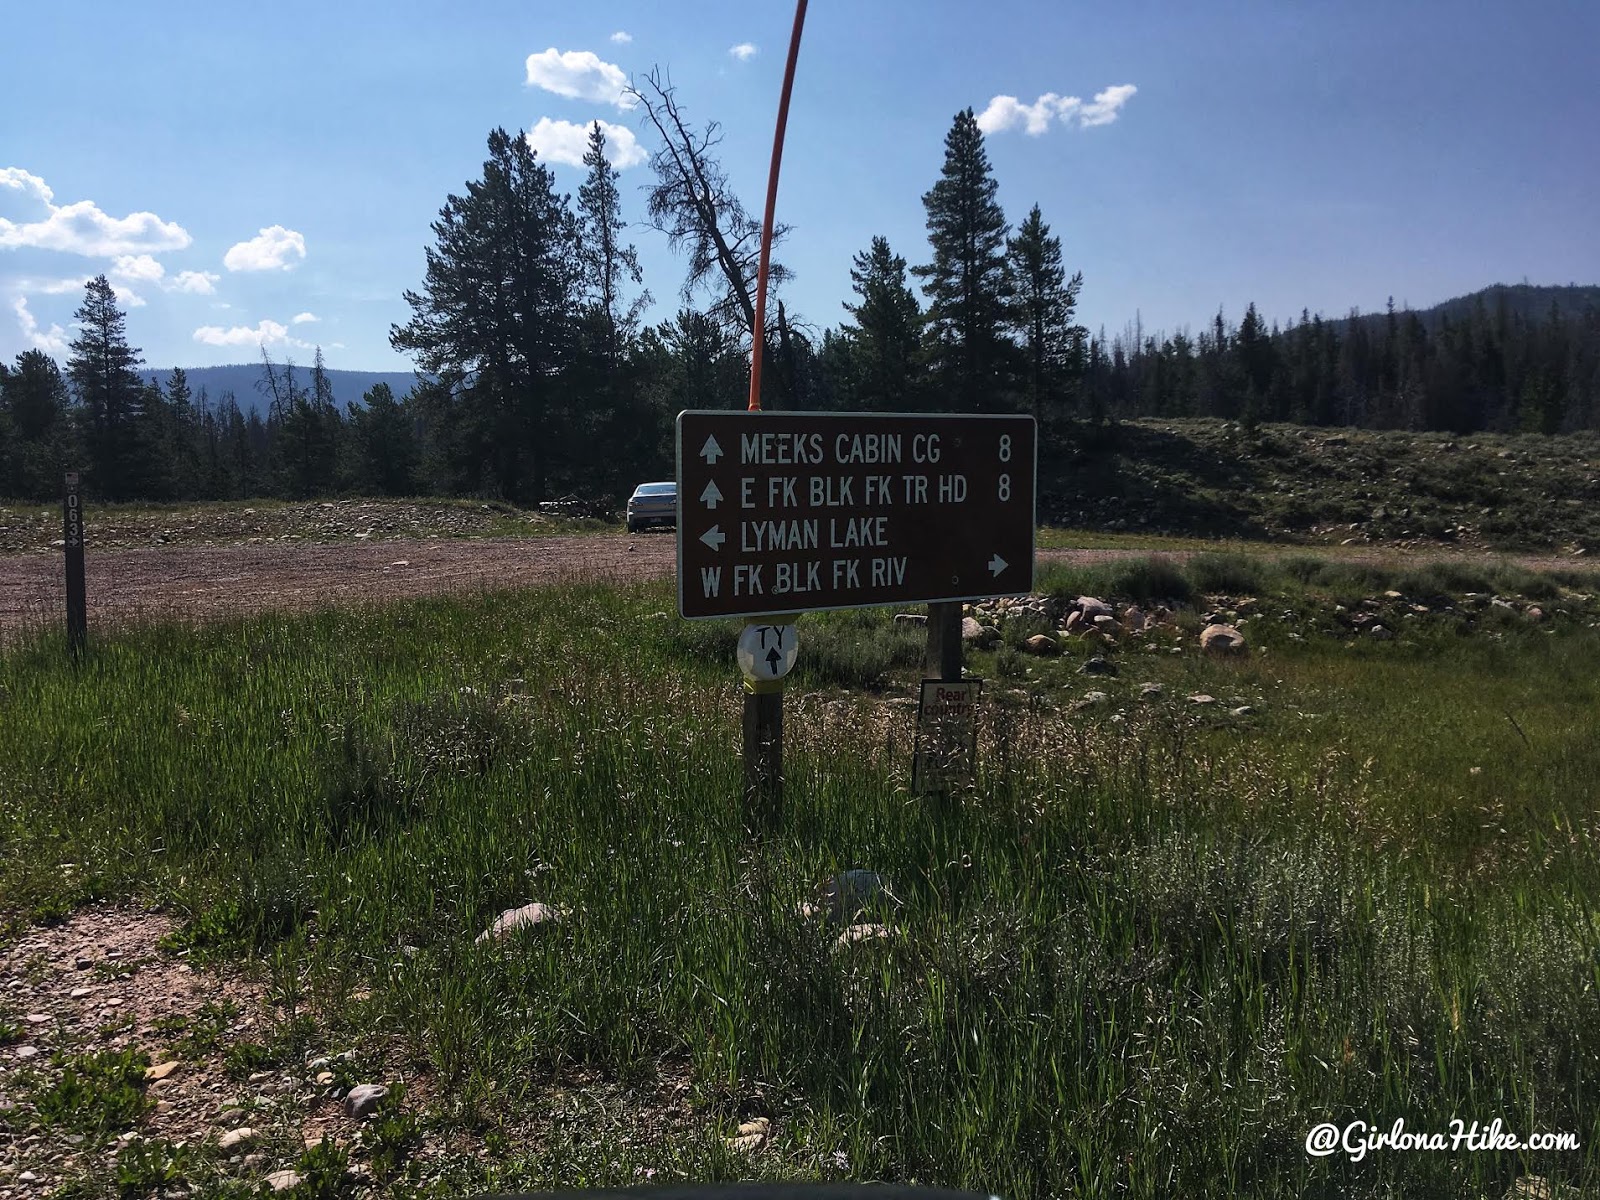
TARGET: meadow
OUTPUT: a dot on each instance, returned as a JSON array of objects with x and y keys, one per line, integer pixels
[{"x": 1151, "y": 946}]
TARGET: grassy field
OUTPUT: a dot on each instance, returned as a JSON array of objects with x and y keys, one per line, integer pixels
[{"x": 1154, "y": 944}]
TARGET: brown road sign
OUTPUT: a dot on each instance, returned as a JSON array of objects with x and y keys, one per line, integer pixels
[{"x": 785, "y": 512}]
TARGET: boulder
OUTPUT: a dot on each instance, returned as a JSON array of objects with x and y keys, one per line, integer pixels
[
  {"x": 1098, "y": 666},
  {"x": 283, "y": 1181},
  {"x": 1095, "y": 697},
  {"x": 1074, "y": 621},
  {"x": 1150, "y": 691},
  {"x": 1382, "y": 634},
  {"x": 849, "y": 894},
  {"x": 1092, "y": 607},
  {"x": 514, "y": 919},
  {"x": 865, "y": 932},
  {"x": 1042, "y": 643},
  {"x": 1221, "y": 639},
  {"x": 363, "y": 1100},
  {"x": 1202, "y": 698},
  {"x": 1134, "y": 619},
  {"x": 971, "y": 631},
  {"x": 236, "y": 1139}
]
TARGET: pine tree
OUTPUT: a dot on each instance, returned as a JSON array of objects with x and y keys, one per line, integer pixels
[
  {"x": 385, "y": 444},
  {"x": 885, "y": 341},
  {"x": 496, "y": 320},
  {"x": 104, "y": 371},
  {"x": 966, "y": 282},
  {"x": 608, "y": 263},
  {"x": 1042, "y": 307},
  {"x": 37, "y": 441}
]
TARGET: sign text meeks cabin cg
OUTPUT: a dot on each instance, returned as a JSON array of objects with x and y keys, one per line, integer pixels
[{"x": 804, "y": 512}]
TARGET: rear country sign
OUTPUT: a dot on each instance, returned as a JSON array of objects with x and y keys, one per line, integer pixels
[{"x": 803, "y": 512}]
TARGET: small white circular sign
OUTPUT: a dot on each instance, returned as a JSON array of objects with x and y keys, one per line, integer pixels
[{"x": 767, "y": 651}]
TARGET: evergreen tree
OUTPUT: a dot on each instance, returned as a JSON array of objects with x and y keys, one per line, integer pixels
[
  {"x": 884, "y": 344},
  {"x": 104, "y": 370},
  {"x": 1042, "y": 307},
  {"x": 496, "y": 321},
  {"x": 966, "y": 283},
  {"x": 385, "y": 444},
  {"x": 37, "y": 443},
  {"x": 608, "y": 263}
]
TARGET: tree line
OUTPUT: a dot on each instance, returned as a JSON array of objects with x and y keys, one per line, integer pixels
[{"x": 537, "y": 376}]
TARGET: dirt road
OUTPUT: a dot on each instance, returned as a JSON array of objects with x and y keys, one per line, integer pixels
[{"x": 208, "y": 582}]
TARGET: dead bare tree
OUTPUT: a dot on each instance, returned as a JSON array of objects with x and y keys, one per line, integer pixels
[{"x": 695, "y": 206}]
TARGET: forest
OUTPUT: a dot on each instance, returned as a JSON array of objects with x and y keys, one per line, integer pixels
[{"x": 537, "y": 377}]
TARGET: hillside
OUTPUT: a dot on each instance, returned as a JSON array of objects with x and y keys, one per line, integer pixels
[
  {"x": 244, "y": 381},
  {"x": 1210, "y": 478}
]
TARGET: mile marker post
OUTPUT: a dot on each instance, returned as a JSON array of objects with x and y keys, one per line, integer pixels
[{"x": 72, "y": 536}]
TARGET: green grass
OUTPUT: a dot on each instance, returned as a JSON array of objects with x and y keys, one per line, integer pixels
[{"x": 1150, "y": 949}]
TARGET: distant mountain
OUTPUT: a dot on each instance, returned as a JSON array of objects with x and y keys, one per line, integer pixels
[
  {"x": 1532, "y": 302},
  {"x": 242, "y": 379}
]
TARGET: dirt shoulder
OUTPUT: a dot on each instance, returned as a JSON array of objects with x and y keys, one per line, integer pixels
[{"x": 208, "y": 583}]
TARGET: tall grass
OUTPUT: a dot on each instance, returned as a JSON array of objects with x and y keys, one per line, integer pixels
[{"x": 1140, "y": 958}]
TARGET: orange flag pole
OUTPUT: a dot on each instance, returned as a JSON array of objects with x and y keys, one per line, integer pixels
[{"x": 758, "y": 335}]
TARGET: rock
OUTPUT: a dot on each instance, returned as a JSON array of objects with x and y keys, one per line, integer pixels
[
  {"x": 971, "y": 631},
  {"x": 26, "y": 1052},
  {"x": 401, "y": 562},
  {"x": 160, "y": 1071},
  {"x": 78, "y": 993},
  {"x": 917, "y": 619},
  {"x": 865, "y": 932},
  {"x": 27, "y": 1177},
  {"x": 1095, "y": 697},
  {"x": 1531, "y": 1187},
  {"x": 282, "y": 1181},
  {"x": 1098, "y": 666},
  {"x": 1244, "y": 710},
  {"x": 746, "y": 1142},
  {"x": 760, "y": 1126},
  {"x": 1092, "y": 607},
  {"x": 236, "y": 1139},
  {"x": 1150, "y": 691},
  {"x": 1535, "y": 613},
  {"x": 363, "y": 1100},
  {"x": 1202, "y": 698},
  {"x": 851, "y": 894},
  {"x": 1042, "y": 643},
  {"x": 1073, "y": 622},
  {"x": 1393, "y": 595},
  {"x": 526, "y": 917},
  {"x": 1506, "y": 604},
  {"x": 1382, "y": 634},
  {"x": 38, "y": 1018},
  {"x": 1134, "y": 619},
  {"x": 1221, "y": 639},
  {"x": 324, "y": 1078},
  {"x": 1107, "y": 625}
]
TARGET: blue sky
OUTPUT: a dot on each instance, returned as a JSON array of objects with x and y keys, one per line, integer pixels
[{"x": 246, "y": 172}]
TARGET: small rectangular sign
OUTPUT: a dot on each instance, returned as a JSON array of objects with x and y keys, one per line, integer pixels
[
  {"x": 804, "y": 512},
  {"x": 72, "y": 539},
  {"x": 947, "y": 735}
]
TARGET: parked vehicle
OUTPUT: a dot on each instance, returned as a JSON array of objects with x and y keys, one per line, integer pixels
[{"x": 653, "y": 504}]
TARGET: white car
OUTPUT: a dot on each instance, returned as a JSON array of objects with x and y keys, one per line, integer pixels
[{"x": 653, "y": 504}]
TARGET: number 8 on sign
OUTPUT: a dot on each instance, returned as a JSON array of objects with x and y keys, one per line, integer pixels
[{"x": 1005, "y": 450}]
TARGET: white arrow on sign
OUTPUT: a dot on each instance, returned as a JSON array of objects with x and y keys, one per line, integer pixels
[
  {"x": 997, "y": 564},
  {"x": 714, "y": 538},
  {"x": 711, "y": 451},
  {"x": 711, "y": 495}
]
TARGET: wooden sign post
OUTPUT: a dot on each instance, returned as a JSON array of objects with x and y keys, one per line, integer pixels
[
  {"x": 786, "y": 513},
  {"x": 77, "y": 593}
]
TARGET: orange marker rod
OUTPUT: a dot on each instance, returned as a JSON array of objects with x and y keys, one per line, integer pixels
[{"x": 758, "y": 334}]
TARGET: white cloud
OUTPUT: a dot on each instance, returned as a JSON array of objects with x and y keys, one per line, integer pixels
[
  {"x": 126, "y": 296},
  {"x": 304, "y": 318},
  {"x": 579, "y": 75},
  {"x": 265, "y": 333},
  {"x": 1107, "y": 105},
  {"x": 19, "y": 180},
  {"x": 564, "y": 142},
  {"x": 269, "y": 250},
  {"x": 81, "y": 228},
  {"x": 51, "y": 341},
  {"x": 197, "y": 282},
  {"x": 622, "y": 37},
  {"x": 137, "y": 269},
  {"x": 1007, "y": 112},
  {"x": 744, "y": 51}
]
